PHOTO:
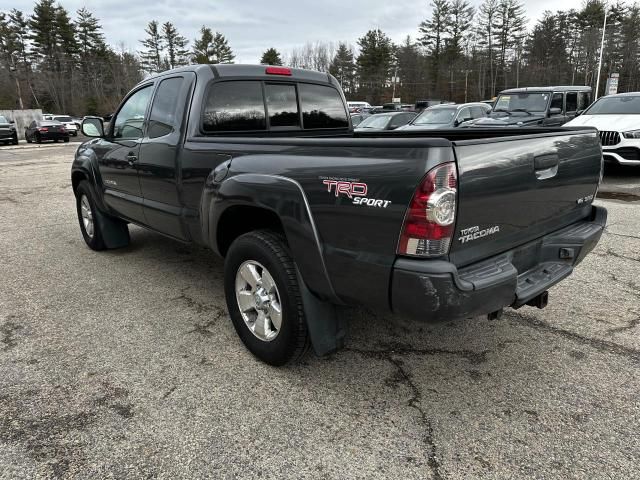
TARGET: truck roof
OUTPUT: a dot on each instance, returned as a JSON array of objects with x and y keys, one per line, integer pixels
[
  {"x": 558, "y": 88},
  {"x": 252, "y": 71}
]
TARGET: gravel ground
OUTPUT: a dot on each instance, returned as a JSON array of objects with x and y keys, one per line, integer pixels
[{"x": 124, "y": 364}]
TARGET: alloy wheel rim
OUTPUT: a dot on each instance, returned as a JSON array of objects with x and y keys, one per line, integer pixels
[
  {"x": 87, "y": 215},
  {"x": 258, "y": 300}
]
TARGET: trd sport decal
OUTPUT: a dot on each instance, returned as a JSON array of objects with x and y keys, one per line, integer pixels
[{"x": 356, "y": 191}]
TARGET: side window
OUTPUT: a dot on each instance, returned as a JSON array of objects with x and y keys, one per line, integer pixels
[
  {"x": 584, "y": 100},
  {"x": 33, "y": 124},
  {"x": 234, "y": 106},
  {"x": 572, "y": 102},
  {"x": 129, "y": 121},
  {"x": 322, "y": 107},
  {"x": 162, "y": 119},
  {"x": 464, "y": 114},
  {"x": 282, "y": 105},
  {"x": 478, "y": 112},
  {"x": 556, "y": 101},
  {"x": 398, "y": 120}
]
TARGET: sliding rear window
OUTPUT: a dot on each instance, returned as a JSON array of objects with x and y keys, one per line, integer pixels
[
  {"x": 252, "y": 105},
  {"x": 234, "y": 106}
]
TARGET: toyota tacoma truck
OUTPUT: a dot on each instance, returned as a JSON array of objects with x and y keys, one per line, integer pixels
[{"x": 261, "y": 164}]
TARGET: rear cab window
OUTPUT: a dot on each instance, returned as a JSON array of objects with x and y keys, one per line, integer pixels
[{"x": 253, "y": 106}]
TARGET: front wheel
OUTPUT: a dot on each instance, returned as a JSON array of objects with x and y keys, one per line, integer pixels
[
  {"x": 86, "y": 207},
  {"x": 263, "y": 298}
]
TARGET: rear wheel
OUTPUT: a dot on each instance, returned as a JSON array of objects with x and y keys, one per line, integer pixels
[
  {"x": 263, "y": 298},
  {"x": 38, "y": 138},
  {"x": 14, "y": 140}
]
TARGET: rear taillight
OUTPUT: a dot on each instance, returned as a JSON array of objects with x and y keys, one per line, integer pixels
[
  {"x": 43, "y": 129},
  {"x": 430, "y": 219}
]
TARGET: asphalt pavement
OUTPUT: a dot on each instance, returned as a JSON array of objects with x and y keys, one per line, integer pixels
[{"x": 124, "y": 364}]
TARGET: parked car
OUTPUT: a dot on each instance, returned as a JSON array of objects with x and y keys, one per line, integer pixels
[
  {"x": 532, "y": 106},
  {"x": 260, "y": 164},
  {"x": 357, "y": 107},
  {"x": 447, "y": 116},
  {"x": 42, "y": 130},
  {"x": 68, "y": 123},
  {"x": 385, "y": 121},
  {"x": 618, "y": 119},
  {"x": 8, "y": 132},
  {"x": 47, "y": 116}
]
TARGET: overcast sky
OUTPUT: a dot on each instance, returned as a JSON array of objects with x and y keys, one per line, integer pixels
[{"x": 253, "y": 26}]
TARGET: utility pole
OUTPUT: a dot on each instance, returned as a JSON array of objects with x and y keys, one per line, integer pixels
[
  {"x": 14, "y": 69},
  {"x": 604, "y": 29}
]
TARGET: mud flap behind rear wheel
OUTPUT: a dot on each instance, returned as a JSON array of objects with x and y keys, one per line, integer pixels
[{"x": 325, "y": 322}]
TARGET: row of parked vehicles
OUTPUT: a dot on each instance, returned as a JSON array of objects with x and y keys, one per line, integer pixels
[{"x": 617, "y": 117}]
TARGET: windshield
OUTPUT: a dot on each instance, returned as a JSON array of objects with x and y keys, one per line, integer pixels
[
  {"x": 438, "y": 116},
  {"x": 3, "y": 119},
  {"x": 526, "y": 102},
  {"x": 627, "y": 105},
  {"x": 376, "y": 121},
  {"x": 63, "y": 119}
]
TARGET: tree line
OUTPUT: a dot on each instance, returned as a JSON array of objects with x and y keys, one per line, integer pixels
[{"x": 52, "y": 60}]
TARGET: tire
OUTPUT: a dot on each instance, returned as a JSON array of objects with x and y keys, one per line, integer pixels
[
  {"x": 14, "y": 141},
  {"x": 266, "y": 250},
  {"x": 92, "y": 236},
  {"x": 55, "y": 140},
  {"x": 27, "y": 138},
  {"x": 66, "y": 140},
  {"x": 38, "y": 138}
]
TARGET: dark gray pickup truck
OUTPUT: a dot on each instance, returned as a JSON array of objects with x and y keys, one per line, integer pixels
[{"x": 261, "y": 165}]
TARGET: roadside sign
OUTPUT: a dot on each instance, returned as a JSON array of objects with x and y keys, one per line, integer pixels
[{"x": 612, "y": 84}]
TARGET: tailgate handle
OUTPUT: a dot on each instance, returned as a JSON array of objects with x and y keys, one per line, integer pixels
[{"x": 546, "y": 166}]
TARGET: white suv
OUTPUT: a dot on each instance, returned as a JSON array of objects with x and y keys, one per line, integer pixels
[
  {"x": 618, "y": 119},
  {"x": 69, "y": 124}
]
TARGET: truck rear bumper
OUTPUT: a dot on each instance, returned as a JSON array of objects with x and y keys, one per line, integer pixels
[{"x": 438, "y": 290}]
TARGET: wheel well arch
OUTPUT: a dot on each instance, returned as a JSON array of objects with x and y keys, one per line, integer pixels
[{"x": 240, "y": 219}]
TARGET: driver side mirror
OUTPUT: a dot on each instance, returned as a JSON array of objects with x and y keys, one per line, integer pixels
[
  {"x": 93, "y": 127},
  {"x": 579, "y": 112},
  {"x": 555, "y": 111}
]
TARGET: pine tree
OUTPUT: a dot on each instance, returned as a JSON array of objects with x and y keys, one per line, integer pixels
[
  {"x": 433, "y": 34},
  {"x": 89, "y": 33},
  {"x": 177, "y": 54},
  {"x": 374, "y": 63},
  {"x": 152, "y": 58},
  {"x": 343, "y": 67},
  {"x": 485, "y": 32},
  {"x": 509, "y": 29},
  {"x": 42, "y": 25},
  {"x": 271, "y": 57},
  {"x": 410, "y": 70},
  {"x": 210, "y": 48}
]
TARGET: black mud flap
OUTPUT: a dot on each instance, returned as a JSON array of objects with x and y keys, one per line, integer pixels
[
  {"x": 115, "y": 233},
  {"x": 325, "y": 322}
]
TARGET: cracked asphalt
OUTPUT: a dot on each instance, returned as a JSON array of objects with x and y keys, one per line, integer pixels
[{"x": 124, "y": 364}]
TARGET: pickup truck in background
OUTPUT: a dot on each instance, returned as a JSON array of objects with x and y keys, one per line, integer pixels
[{"x": 261, "y": 164}]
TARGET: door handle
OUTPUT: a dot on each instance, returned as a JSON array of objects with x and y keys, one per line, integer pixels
[
  {"x": 546, "y": 166},
  {"x": 132, "y": 158}
]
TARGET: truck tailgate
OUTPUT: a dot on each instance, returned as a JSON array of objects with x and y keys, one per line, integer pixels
[{"x": 513, "y": 190}]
